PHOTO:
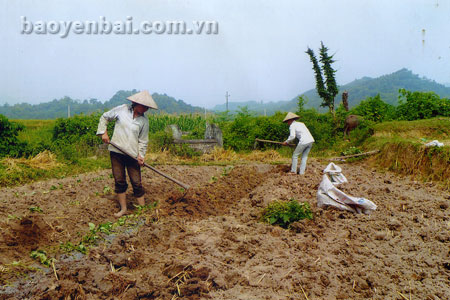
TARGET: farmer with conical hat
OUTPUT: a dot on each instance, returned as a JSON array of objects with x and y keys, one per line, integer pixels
[
  {"x": 305, "y": 141},
  {"x": 131, "y": 135}
]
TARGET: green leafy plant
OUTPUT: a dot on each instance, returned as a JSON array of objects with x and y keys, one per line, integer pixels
[
  {"x": 41, "y": 255},
  {"x": 226, "y": 171},
  {"x": 351, "y": 151},
  {"x": 13, "y": 217},
  {"x": 54, "y": 187},
  {"x": 35, "y": 209},
  {"x": 106, "y": 190},
  {"x": 105, "y": 228},
  {"x": 283, "y": 213},
  {"x": 69, "y": 247},
  {"x": 141, "y": 209}
]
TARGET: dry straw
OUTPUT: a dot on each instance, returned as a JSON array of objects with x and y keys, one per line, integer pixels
[
  {"x": 44, "y": 160},
  {"x": 220, "y": 154},
  {"x": 264, "y": 156},
  {"x": 428, "y": 163}
]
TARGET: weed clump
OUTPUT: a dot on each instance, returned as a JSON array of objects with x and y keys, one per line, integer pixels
[{"x": 283, "y": 213}]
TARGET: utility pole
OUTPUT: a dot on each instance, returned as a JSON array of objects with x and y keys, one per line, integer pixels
[{"x": 226, "y": 96}]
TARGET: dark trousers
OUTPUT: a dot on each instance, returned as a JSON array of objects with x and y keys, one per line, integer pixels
[{"x": 118, "y": 163}]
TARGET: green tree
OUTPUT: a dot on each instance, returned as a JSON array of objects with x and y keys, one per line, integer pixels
[{"x": 327, "y": 89}]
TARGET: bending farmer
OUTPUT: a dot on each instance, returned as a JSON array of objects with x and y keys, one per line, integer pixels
[
  {"x": 305, "y": 141},
  {"x": 130, "y": 134}
]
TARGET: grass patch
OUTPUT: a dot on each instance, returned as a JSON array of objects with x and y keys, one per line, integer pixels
[
  {"x": 429, "y": 129},
  {"x": 36, "y": 131}
]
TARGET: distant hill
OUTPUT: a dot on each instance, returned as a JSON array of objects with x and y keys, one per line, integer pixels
[
  {"x": 59, "y": 108},
  {"x": 387, "y": 86}
]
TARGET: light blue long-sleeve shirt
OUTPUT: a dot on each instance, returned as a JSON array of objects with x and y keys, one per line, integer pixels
[{"x": 130, "y": 133}]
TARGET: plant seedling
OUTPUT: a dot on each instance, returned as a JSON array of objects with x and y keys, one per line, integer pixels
[
  {"x": 283, "y": 213},
  {"x": 42, "y": 256},
  {"x": 36, "y": 209},
  {"x": 13, "y": 217},
  {"x": 106, "y": 190}
]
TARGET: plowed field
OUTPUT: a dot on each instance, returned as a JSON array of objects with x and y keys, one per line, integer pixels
[{"x": 211, "y": 244}]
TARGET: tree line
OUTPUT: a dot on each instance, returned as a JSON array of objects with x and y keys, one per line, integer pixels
[{"x": 59, "y": 108}]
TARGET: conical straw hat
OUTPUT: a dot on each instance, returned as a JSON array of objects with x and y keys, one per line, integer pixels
[
  {"x": 290, "y": 116},
  {"x": 144, "y": 98}
]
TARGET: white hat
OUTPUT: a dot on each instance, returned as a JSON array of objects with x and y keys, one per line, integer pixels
[
  {"x": 290, "y": 116},
  {"x": 144, "y": 98}
]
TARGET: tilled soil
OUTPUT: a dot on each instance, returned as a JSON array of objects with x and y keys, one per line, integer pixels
[{"x": 211, "y": 244}]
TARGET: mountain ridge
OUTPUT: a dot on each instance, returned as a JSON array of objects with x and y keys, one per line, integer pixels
[{"x": 359, "y": 89}]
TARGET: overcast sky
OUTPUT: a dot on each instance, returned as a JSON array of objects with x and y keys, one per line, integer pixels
[{"x": 257, "y": 54}]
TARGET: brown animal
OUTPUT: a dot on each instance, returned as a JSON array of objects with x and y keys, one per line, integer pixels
[{"x": 351, "y": 122}]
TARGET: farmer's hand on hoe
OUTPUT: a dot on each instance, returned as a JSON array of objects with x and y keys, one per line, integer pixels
[
  {"x": 105, "y": 138},
  {"x": 285, "y": 144},
  {"x": 140, "y": 160}
]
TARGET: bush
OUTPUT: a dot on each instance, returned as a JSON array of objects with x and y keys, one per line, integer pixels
[
  {"x": 9, "y": 143},
  {"x": 283, "y": 213},
  {"x": 374, "y": 109},
  {"x": 78, "y": 129},
  {"x": 161, "y": 140},
  {"x": 421, "y": 105},
  {"x": 271, "y": 128},
  {"x": 76, "y": 137},
  {"x": 363, "y": 131},
  {"x": 239, "y": 133},
  {"x": 321, "y": 127}
]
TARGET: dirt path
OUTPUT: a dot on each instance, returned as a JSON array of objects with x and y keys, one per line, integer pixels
[{"x": 211, "y": 245}]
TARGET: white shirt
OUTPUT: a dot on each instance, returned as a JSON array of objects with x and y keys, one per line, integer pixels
[
  {"x": 130, "y": 133},
  {"x": 300, "y": 131}
]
